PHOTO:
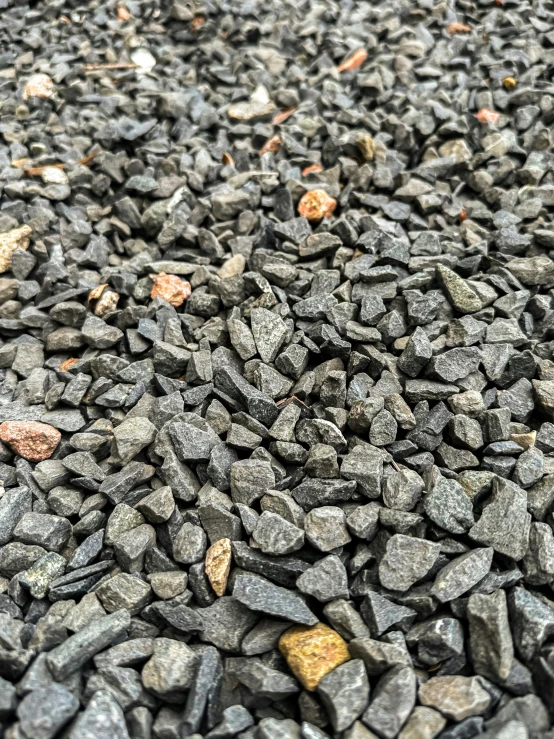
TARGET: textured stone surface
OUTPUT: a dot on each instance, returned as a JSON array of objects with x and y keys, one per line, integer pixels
[
  {"x": 30, "y": 439},
  {"x": 276, "y": 364},
  {"x": 456, "y": 697},
  {"x": 406, "y": 560}
]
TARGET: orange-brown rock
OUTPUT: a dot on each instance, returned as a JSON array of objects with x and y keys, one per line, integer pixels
[
  {"x": 313, "y": 651},
  {"x": 171, "y": 288},
  {"x": 32, "y": 440},
  {"x": 312, "y": 169},
  {"x": 273, "y": 144},
  {"x": 316, "y": 204},
  {"x": 218, "y": 564},
  {"x": 456, "y": 27},
  {"x": 353, "y": 62},
  {"x": 64, "y": 366}
]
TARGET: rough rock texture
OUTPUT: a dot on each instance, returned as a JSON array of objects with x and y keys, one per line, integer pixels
[
  {"x": 276, "y": 369},
  {"x": 31, "y": 440}
]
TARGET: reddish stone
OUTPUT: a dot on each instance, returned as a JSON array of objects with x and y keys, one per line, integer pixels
[
  {"x": 32, "y": 440},
  {"x": 171, "y": 288}
]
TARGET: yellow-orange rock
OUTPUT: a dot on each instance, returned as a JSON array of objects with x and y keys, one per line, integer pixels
[
  {"x": 171, "y": 288},
  {"x": 32, "y": 440},
  {"x": 312, "y": 652},
  {"x": 316, "y": 204},
  {"x": 509, "y": 83},
  {"x": 218, "y": 565}
]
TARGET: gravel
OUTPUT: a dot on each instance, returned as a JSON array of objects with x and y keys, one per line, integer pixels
[{"x": 276, "y": 370}]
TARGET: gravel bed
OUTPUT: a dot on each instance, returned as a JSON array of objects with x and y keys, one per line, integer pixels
[{"x": 276, "y": 369}]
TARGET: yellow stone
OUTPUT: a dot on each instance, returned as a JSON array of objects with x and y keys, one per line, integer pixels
[
  {"x": 312, "y": 652},
  {"x": 509, "y": 83},
  {"x": 17, "y": 238},
  {"x": 218, "y": 564},
  {"x": 366, "y": 145}
]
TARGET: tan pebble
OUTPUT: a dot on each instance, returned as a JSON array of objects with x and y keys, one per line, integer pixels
[
  {"x": 509, "y": 83},
  {"x": 171, "y": 288},
  {"x": 108, "y": 302},
  {"x": 38, "y": 86},
  {"x": 218, "y": 565},
  {"x": 316, "y": 204},
  {"x": 525, "y": 440},
  {"x": 17, "y": 238},
  {"x": 32, "y": 440},
  {"x": 312, "y": 652},
  {"x": 366, "y": 145},
  {"x": 97, "y": 291},
  {"x": 232, "y": 267}
]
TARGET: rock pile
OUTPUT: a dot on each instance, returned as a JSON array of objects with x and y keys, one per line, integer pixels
[{"x": 276, "y": 369}]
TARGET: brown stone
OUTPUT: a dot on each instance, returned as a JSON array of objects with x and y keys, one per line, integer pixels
[
  {"x": 273, "y": 145},
  {"x": 316, "y": 204},
  {"x": 171, "y": 288},
  {"x": 218, "y": 564},
  {"x": 32, "y": 440},
  {"x": 366, "y": 145},
  {"x": 17, "y": 238},
  {"x": 96, "y": 292},
  {"x": 312, "y": 652},
  {"x": 524, "y": 440},
  {"x": 38, "y": 86}
]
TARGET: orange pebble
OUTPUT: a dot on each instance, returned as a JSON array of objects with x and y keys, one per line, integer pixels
[{"x": 316, "y": 204}]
